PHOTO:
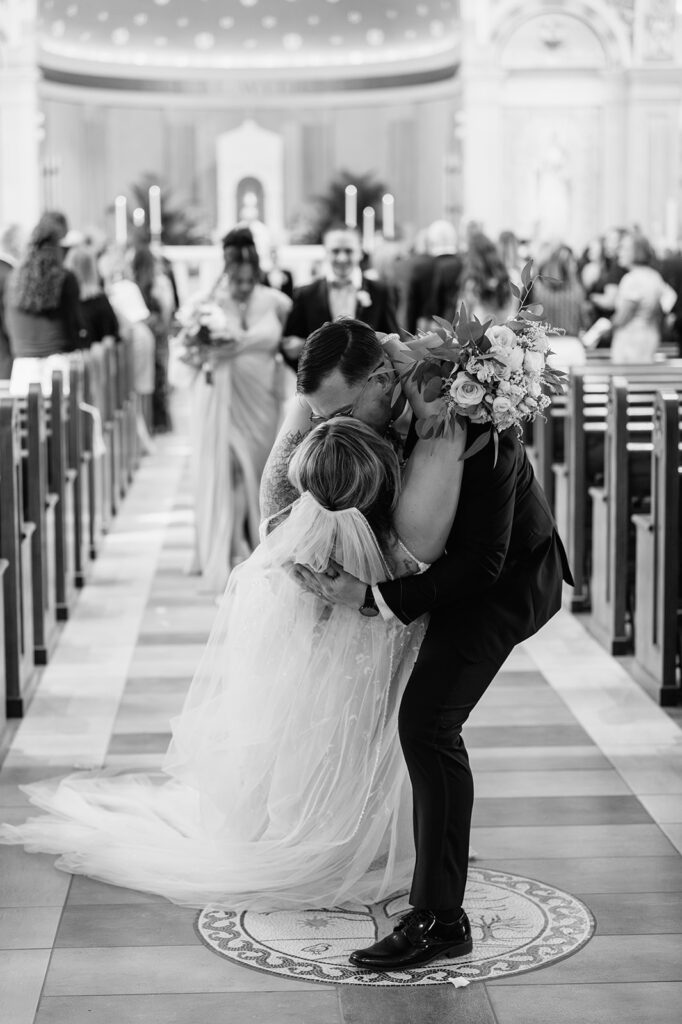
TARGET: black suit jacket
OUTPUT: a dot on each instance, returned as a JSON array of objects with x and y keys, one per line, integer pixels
[
  {"x": 501, "y": 577},
  {"x": 311, "y": 309}
]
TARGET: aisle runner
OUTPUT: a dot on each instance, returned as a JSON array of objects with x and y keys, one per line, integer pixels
[{"x": 517, "y": 925}]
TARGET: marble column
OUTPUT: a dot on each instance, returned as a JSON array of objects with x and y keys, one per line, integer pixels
[{"x": 19, "y": 142}]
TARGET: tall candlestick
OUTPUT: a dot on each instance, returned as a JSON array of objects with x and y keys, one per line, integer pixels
[
  {"x": 139, "y": 217},
  {"x": 121, "y": 220},
  {"x": 351, "y": 206},
  {"x": 155, "y": 213},
  {"x": 388, "y": 215},
  {"x": 368, "y": 229}
]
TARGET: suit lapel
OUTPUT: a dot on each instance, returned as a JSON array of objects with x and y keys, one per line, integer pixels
[{"x": 324, "y": 309}]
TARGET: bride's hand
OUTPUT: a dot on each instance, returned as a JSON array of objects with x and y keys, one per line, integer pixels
[
  {"x": 402, "y": 360},
  {"x": 334, "y": 586}
]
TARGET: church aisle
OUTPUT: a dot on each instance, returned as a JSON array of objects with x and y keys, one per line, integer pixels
[{"x": 579, "y": 785}]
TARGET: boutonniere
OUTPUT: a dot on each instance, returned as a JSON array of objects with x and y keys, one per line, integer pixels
[{"x": 363, "y": 299}]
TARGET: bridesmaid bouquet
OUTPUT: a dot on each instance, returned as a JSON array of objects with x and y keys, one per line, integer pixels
[
  {"x": 486, "y": 373},
  {"x": 202, "y": 324}
]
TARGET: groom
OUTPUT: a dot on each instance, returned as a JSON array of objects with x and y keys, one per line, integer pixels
[{"x": 498, "y": 582}]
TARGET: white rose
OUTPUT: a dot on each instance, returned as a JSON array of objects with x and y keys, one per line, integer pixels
[
  {"x": 466, "y": 392},
  {"x": 534, "y": 362},
  {"x": 504, "y": 387},
  {"x": 515, "y": 359},
  {"x": 502, "y": 338},
  {"x": 501, "y": 405}
]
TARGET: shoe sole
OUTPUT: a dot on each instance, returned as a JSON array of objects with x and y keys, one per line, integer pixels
[{"x": 461, "y": 949}]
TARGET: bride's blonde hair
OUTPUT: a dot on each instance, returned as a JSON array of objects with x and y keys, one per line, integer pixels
[{"x": 343, "y": 463}]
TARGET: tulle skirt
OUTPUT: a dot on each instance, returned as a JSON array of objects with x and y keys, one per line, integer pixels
[{"x": 284, "y": 784}]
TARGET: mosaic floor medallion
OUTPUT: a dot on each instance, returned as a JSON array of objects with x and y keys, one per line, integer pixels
[{"x": 518, "y": 924}]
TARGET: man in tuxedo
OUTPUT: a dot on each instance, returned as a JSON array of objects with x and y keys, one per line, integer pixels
[
  {"x": 498, "y": 582},
  {"x": 343, "y": 290}
]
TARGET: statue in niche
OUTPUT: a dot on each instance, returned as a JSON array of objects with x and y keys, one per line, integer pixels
[{"x": 554, "y": 193}]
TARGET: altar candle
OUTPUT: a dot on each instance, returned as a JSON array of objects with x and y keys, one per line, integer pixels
[
  {"x": 121, "y": 216},
  {"x": 155, "y": 212},
  {"x": 388, "y": 215},
  {"x": 351, "y": 206},
  {"x": 368, "y": 229},
  {"x": 139, "y": 217}
]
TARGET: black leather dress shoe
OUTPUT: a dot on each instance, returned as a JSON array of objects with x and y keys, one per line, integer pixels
[{"x": 418, "y": 938}]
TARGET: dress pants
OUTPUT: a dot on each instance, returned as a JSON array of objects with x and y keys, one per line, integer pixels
[{"x": 443, "y": 689}]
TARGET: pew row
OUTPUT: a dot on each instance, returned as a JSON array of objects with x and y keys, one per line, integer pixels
[
  {"x": 584, "y": 424},
  {"x": 60, "y": 485},
  {"x": 658, "y": 575},
  {"x": 628, "y": 442}
]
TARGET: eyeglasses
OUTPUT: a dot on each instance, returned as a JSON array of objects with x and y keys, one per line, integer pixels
[{"x": 349, "y": 410}]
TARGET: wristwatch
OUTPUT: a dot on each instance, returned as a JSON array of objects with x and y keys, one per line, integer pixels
[{"x": 369, "y": 606}]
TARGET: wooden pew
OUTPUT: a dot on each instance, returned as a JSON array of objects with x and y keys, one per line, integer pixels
[
  {"x": 102, "y": 471},
  {"x": 627, "y": 453},
  {"x": 4, "y": 565},
  {"x": 546, "y": 446},
  {"x": 40, "y": 505},
  {"x": 76, "y": 460},
  {"x": 114, "y": 424},
  {"x": 61, "y": 480},
  {"x": 658, "y": 574},
  {"x": 583, "y": 463},
  {"x": 15, "y": 548}
]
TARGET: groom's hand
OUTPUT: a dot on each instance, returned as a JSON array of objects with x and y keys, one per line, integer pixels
[{"x": 333, "y": 586}]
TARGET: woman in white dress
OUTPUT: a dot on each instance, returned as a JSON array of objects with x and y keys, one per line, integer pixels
[
  {"x": 284, "y": 785},
  {"x": 236, "y": 402},
  {"x": 638, "y": 317}
]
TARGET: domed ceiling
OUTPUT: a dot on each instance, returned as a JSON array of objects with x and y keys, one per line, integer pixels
[{"x": 202, "y": 35}]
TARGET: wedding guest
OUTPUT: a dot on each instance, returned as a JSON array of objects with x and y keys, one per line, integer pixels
[
  {"x": 343, "y": 290},
  {"x": 559, "y": 291},
  {"x": 638, "y": 317},
  {"x": 98, "y": 314},
  {"x": 484, "y": 284},
  {"x": 277, "y": 277},
  {"x": 236, "y": 402},
  {"x": 508, "y": 247},
  {"x": 11, "y": 247},
  {"x": 42, "y": 307},
  {"x": 604, "y": 290},
  {"x": 132, "y": 315},
  {"x": 158, "y": 297},
  {"x": 671, "y": 272},
  {"x": 433, "y": 279}
]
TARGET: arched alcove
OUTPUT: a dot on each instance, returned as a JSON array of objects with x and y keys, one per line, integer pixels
[{"x": 250, "y": 159}]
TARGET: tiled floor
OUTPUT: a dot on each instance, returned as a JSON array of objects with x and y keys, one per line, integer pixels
[{"x": 579, "y": 784}]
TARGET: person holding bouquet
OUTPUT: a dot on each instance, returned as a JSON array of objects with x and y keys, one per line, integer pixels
[{"x": 232, "y": 343}]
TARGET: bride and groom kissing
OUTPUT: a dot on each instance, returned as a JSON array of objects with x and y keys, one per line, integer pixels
[{"x": 390, "y": 585}]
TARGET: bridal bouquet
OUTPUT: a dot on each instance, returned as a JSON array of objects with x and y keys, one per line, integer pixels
[
  {"x": 201, "y": 325},
  {"x": 482, "y": 372}
]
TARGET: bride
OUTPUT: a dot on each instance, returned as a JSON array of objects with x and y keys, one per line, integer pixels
[{"x": 284, "y": 784}]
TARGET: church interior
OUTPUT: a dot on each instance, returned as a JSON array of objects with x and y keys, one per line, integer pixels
[{"x": 403, "y": 160}]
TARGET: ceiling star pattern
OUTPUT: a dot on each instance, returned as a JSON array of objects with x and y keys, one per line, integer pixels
[{"x": 247, "y": 33}]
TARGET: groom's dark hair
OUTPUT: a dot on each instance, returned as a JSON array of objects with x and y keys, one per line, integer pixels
[{"x": 345, "y": 344}]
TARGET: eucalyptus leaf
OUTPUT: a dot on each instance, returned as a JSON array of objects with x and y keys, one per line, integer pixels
[
  {"x": 433, "y": 389},
  {"x": 445, "y": 324},
  {"x": 478, "y": 445},
  {"x": 526, "y": 274}
]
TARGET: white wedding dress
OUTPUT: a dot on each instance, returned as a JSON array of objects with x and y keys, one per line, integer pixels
[{"x": 284, "y": 785}]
